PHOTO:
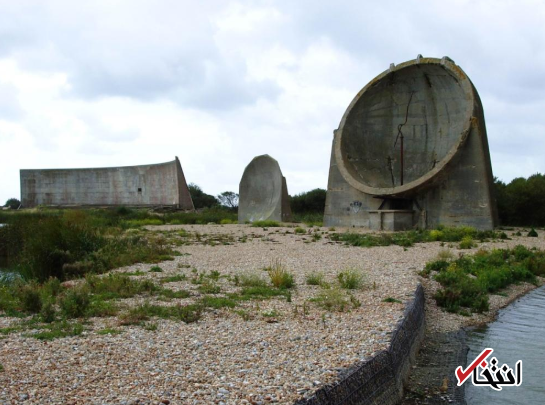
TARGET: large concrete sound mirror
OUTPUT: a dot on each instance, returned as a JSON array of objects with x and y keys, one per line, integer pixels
[
  {"x": 263, "y": 192},
  {"x": 411, "y": 151}
]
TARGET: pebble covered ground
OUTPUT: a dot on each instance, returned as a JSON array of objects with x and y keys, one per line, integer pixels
[{"x": 260, "y": 352}]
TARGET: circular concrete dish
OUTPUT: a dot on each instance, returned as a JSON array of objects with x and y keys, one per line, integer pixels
[{"x": 432, "y": 99}]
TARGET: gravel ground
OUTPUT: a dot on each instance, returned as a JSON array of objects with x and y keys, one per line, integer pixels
[{"x": 281, "y": 351}]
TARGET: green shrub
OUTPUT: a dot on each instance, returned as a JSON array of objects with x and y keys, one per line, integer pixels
[
  {"x": 75, "y": 302},
  {"x": 332, "y": 300},
  {"x": 227, "y": 221},
  {"x": 351, "y": 279},
  {"x": 315, "y": 278},
  {"x": 251, "y": 280},
  {"x": 31, "y": 300},
  {"x": 533, "y": 233},
  {"x": 48, "y": 313},
  {"x": 156, "y": 269},
  {"x": 280, "y": 276},
  {"x": 266, "y": 224},
  {"x": 467, "y": 243}
]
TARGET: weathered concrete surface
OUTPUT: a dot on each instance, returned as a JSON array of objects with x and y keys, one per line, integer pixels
[
  {"x": 263, "y": 192},
  {"x": 160, "y": 184},
  {"x": 447, "y": 174}
]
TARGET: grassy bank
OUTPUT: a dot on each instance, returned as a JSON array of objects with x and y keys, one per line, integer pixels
[
  {"x": 467, "y": 281},
  {"x": 466, "y": 236}
]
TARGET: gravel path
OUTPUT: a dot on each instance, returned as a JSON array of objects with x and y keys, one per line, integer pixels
[{"x": 225, "y": 358}]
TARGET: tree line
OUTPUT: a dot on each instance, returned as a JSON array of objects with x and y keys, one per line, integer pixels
[{"x": 520, "y": 202}]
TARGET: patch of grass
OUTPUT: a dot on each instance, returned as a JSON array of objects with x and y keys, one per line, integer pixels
[
  {"x": 390, "y": 299},
  {"x": 218, "y": 302},
  {"x": 209, "y": 288},
  {"x": 214, "y": 275},
  {"x": 299, "y": 231},
  {"x": 467, "y": 243},
  {"x": 156, "y": 269},
  {"x": 173, "y": 279},
  {"x": 141, "y": 313},
  {"x": 227, "y": 221},
  {"x": 351, "y": 279},
  {"x": 109, "y": 331},
  {"x": 59, "y": 330},
  {"x": 315, "y": 278},
  {"x": 266, "y": 224},
  {"x": 280, "y": 276},
  {"x": 333, "y": 299},
  {"x": 409, "y": 238},
  {"x": 75, "y": 303},
  {"x": 261, "y": 292},
  {"x": 118, "y": 285},
  {"x": 101, "y": 308},
  {"x": 445, "y": 254},
  {"x": 168, "y": 293},
  {"x": 250, "y": 280}
]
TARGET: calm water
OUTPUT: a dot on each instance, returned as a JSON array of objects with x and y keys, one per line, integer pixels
[{"x": 518, "y": 334}]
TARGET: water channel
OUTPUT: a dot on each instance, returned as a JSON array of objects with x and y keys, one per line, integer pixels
[{"x": 517, "y": 334}]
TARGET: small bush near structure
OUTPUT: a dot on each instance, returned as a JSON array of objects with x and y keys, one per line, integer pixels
[
  {"x": 467, "y": 281},
  {"x": 266, "y": 224},
  {"x": 467, "y": 243}
]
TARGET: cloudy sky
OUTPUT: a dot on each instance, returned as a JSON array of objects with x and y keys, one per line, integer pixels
[{"x": 111, "y": 83}]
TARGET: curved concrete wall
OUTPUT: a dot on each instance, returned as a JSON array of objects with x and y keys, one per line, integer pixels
[
  {"x": 263, "y": 193},
  {"x": 146, "y": 185}
]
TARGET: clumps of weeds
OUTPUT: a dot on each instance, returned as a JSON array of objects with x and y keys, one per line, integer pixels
[
  {"x": 214, "y": 275},
  {"x": 316, "y": 237},
  {"x": 272, "y": 313},
  {"x": 250, "y": 280},
  {"x": 184, "y": 266},
  {"x": 109, "y": 331},
  {"x": 156, "y": 269},
  {"x": 59, "y": 330},
  {"x": 355, "y": 302},
  {"x": 118, "y": 285},
  {"x": 517, "y": 233},
  {"x": 260, "y": 292},
  {"x": 171, "y": 294},
  {"x": 48, "y": 313},
  {"x": 75, "y": 302},
  {"x": 173, "y": 279},
  {"x": 532, "y": 233},
  {"x": 217, "y": 302},
  {"x": 315, "y": 278},
  {"x": 139, "y": 314},
  {"x": 391, "y": 299},
  {"x": 445, "y": 254},
  {"x": 266, "y": 224},
  {"x": 331, "y": 229},
  {"x": 467, "y": 243},
  {"x": 467, "y": 281},
  {"x": 227, "y": 221},
  {"x": 280, "y": 276},
  {"x": 209, "y": 288},
  {"x": 351, "y": 279},
  {"x": 244, "y": 314},
  {"x": 299, "y": 230},
  {"x": 504, "y": 236},
  {"x": 151, "y": 326},
  {"x": 333, "y": 299}
]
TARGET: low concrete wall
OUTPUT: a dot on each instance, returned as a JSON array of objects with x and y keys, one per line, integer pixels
[
  {"x": 146, "y": 185},
  {"x": 380, "y": 379}
]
